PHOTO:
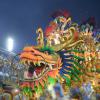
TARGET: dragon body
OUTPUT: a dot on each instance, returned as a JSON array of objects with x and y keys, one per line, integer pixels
[{"x": 67, "y": 53}]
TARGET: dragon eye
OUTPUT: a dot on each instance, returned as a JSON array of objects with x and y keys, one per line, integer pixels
[{"x": 32, "y": 51}]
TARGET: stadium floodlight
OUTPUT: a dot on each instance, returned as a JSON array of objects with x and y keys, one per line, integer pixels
[{"x": 10, "y": 44}]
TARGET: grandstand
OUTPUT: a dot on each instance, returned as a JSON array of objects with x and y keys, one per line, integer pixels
[{"x": 10, "y": 67}]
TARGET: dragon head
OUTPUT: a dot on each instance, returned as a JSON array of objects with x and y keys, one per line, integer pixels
[{"x": 40, "y": 62}]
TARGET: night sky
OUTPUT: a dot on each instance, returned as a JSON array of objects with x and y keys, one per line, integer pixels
[{"x": 19, "y": 19}]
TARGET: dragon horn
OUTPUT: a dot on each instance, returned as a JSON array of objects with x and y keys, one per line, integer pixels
[
  {"x": 75, "y": 43},
  {"x": 40, "y": 37},
  {"x": 66, "y": 43},
  {"x": 59, "y": 47}
]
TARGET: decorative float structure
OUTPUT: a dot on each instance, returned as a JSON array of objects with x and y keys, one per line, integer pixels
[{"x": 65, "y": 51}]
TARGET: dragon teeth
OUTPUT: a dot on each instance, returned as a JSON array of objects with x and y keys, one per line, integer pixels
[
  {"x": 35, "y": 75},
  {"x": 50, "y": 66},
  {"x": 43, "y": 70},
  {"x": 28, "y": 62},
  {"x": 39, "y": 75},
  {"x": 38, "y": 63},
  {"x": 20, "y": 62},
  {"x": 35, "y": 63},
  {"x": 46, "y": 68},
  {"x": 25, "y": 62},
  {"x": 43, "y": 62}
]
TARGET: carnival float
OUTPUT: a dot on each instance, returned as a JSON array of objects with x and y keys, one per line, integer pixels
[{"x": 65, "y": 52}]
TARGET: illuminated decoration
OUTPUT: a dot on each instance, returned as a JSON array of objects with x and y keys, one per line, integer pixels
[{"x": 65, "y": 51}]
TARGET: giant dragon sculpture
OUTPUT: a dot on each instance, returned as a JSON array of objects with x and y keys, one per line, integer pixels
[{"x": 65, "y": 51}]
